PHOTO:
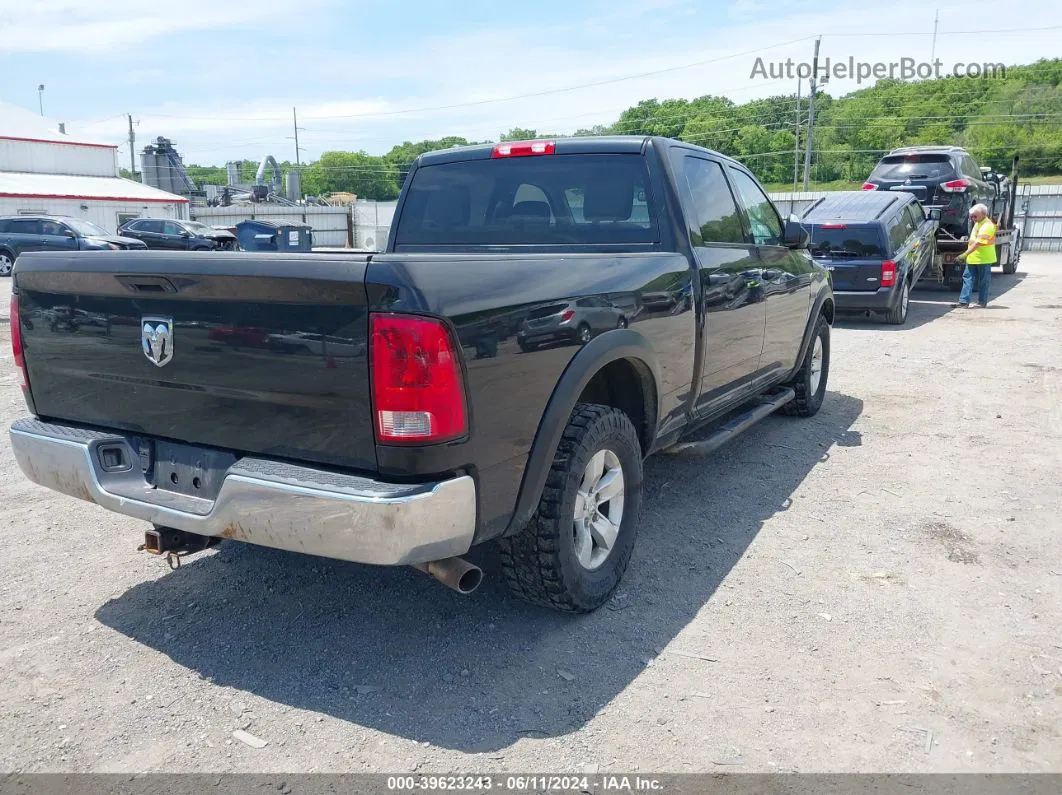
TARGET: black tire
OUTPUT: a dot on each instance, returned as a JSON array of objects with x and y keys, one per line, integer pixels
[
  {"x": 526, "y": 347},
  {"x": 1010, "y": 267},
  {"x": 585, "y": 334},
  {"x": 7, "y": 262},
  {"x": 622, "y": 323},
  {"x": 540, "y": 563},
  {"x": 808, "y": 401},
  {"x": 897, "y": 316}
]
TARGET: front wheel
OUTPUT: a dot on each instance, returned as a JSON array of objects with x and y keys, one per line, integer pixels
[
  {"x": 574, "y": 551},
  {"x": 7, "y": 262},
  {"x": 810, "y": 381}
]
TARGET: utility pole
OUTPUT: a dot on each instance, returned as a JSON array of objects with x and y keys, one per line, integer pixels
[
  {"x": 295, "y": 119},
  {"x": 811, "y": 112},
  {"x": 796, "y": 147},
  {"x": 132, "y": 148},
  {"x": 936, "y": 20},
  {"x": 40, "y": 97}
]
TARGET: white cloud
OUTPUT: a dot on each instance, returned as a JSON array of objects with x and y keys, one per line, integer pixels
[
  {"x": 108, "y": 26},
  {"x": 487, "y": 65}
]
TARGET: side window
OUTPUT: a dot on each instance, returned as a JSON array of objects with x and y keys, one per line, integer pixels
[
  {"x": 124, "y": 217},
  {"x": 25, "y": 226},
  {"x": 3, "y": 227},
  {"x": 170, "y": 228},
  {"x": 151, "y": 226},
  {"x": 714, "y": 213},
  {"x": 915, "y": 215},
  {"x": 52, "y": 228},
  {"x": 899, "y": 230},
  {"x": 764, "y": 222}
]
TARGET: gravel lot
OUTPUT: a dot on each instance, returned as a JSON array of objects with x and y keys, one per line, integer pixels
[{"x": 877, "y": 589}]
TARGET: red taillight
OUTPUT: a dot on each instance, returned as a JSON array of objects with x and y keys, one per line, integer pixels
[
  {"x": 870, "y": 186},
  {"x": 16, "y": 344},
  {"x": 955, "y": 185},
  {"x": 833, "y": 226},
  {"x": 567, "y": 315},
  {"x": 888, "y": 273},
  {"x": 417, "y": 392},
  {"x": 524, "y": 149}
]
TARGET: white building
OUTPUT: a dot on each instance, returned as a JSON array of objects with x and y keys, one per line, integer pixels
[{"x": 47, "y": 172}]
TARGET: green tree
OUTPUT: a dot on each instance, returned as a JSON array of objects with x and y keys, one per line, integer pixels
[{"x": 363, "y": 174}]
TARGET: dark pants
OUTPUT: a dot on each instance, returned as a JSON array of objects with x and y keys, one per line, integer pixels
[{"x": 983, "y": 276}]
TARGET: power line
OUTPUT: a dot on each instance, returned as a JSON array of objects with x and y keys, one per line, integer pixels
[{"x": 530, "y": 95}]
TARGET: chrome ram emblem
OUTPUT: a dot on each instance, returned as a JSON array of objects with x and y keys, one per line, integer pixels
[{"x": 156, "y": 336}]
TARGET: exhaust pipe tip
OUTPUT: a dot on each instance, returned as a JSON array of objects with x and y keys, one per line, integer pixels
[{"x": 455, "y": 573}]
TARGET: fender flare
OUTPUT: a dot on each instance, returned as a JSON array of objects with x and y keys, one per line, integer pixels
[
  {"x": 596, "y": 354},
  {"x": 823, "y": 304}
]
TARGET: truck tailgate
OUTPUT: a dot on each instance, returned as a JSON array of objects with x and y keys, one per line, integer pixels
[{"x": 260, "y": 354}]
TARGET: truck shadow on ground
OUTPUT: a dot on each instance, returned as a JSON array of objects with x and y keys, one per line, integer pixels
[
  {"x": 392, "y": 650},
  {"x": 928, "y": 302}
]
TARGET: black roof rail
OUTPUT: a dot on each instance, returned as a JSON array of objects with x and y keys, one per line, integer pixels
[{"x": 887, "y": 207}]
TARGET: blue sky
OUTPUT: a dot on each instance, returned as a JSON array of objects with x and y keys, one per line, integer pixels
[{"x": 220, "y": 77}]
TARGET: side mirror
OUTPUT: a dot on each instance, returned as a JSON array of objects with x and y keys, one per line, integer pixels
[
  {"x": 185, "y": 233},
  {"x": 795, "y": 236},
  {"x": 933, "y": 214},
  {"x": 69, "y": 233}
]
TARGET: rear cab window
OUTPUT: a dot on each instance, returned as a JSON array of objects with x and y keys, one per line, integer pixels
[{"x": 561, "y": 199}]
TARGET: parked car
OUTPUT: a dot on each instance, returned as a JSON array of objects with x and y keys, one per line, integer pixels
[
  {"x": 944, "y": 177},
  {"x": 409, "y": 450},
  {"x": 576, "y": 321},
  {"x": 160, "y": 233},
  {"x": 876, "y": 245},
  {"x": 22, "y": 233}
]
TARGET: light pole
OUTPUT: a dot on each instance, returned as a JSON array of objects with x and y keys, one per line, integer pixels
[{"x": 40, "y": 97}]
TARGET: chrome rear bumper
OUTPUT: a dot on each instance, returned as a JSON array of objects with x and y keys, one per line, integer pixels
[{"x": 297, "y": 508}]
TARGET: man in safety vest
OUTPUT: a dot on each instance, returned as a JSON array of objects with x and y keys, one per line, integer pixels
[{"x": 980, "y": 256}]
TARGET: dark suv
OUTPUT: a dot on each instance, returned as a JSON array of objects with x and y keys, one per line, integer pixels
[
  {"x": 161, "y": 233},
  {"x": 21, "y": 233},
  {"x": 875, "y": 244},
  {"x": 938, "y": 176},
  {"x": 572, "y": 321}
]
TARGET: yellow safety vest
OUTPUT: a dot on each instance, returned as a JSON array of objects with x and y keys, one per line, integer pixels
[{"x": 983, "y": 232}]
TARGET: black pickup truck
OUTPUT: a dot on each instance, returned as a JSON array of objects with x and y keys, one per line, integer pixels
[{"x": 382, "y": 409}]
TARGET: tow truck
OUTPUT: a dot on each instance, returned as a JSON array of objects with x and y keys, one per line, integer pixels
[{"x": 946, "y": 268}]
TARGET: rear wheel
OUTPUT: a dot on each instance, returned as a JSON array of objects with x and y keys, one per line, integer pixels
[
  {"x": 7, "y": 262},
  {"x": 1009, "y": 259},
  {"x": 585, "y": 335},
  {"x": 810, "y": 381},
  {"x": 574, "y": 551},
  {"x": 898, "y": 314}
]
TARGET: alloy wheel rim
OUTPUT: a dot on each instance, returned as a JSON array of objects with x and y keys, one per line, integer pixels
[
  {"x": 598, "y": 509},
  {"x": 816, "y": 365}
]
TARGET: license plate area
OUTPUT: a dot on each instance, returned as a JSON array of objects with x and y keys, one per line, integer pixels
[{"x": 189, "y": 470}]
